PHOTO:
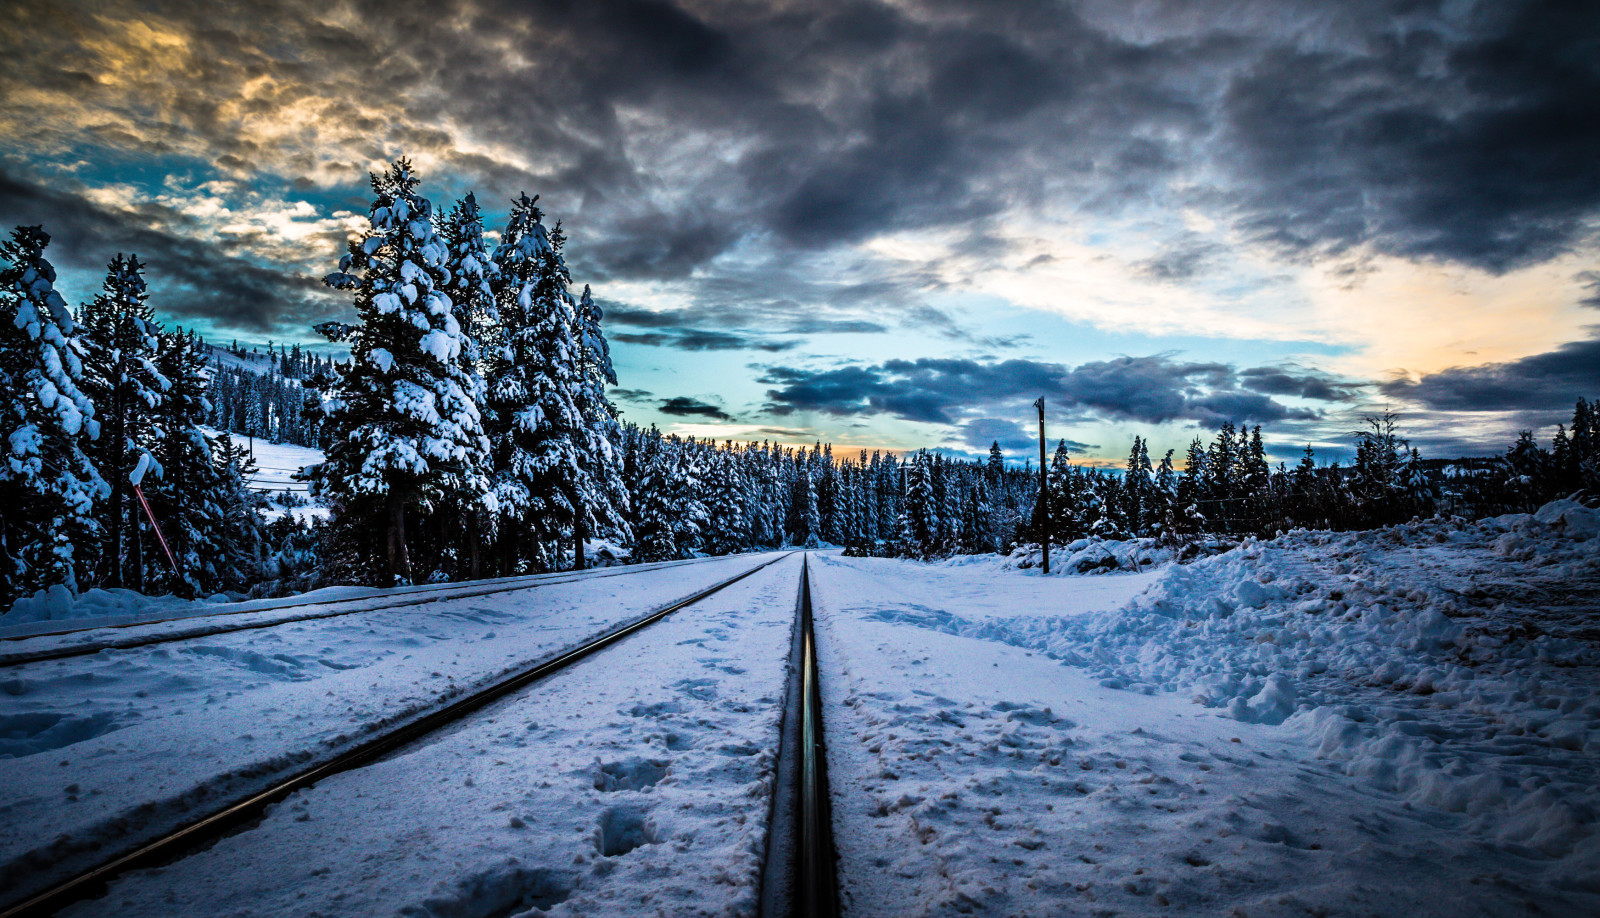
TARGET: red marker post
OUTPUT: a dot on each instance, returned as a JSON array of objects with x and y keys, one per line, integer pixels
[{"x": 149, "y": 515}]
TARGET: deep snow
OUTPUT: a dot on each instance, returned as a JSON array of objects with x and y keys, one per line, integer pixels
[
  {"x": 1402, "y": 722},
  {"x": 636, "y": 782},
  {"x": 104, "y": 749}
]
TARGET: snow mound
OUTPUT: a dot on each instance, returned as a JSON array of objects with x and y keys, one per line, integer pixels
[
  {"x": 58, "y": 604},
  {"x": 1454, "y": 663},
  {"x": 1095, "y": 555}
]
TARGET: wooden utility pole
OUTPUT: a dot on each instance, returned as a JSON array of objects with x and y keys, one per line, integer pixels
[{"x": 1044, "y": 490}]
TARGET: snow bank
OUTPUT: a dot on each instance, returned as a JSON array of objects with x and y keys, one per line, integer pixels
[
  {"x": 1106, "y": 556},
  {"x": 117, "y": 607},
  {"x": 1453, "y": 663},
  {"x": 57, "y": 604}
]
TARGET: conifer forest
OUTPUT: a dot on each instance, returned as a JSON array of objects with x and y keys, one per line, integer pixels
[{"x": 469, "y": 434}]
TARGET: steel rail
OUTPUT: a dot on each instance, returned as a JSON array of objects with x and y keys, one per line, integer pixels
[
  {"x": 413, "y": 590},
  {"x": 816, "y": 893},
  {"x": 217, "y": 824},
  {"x": 412, "y": 597}
]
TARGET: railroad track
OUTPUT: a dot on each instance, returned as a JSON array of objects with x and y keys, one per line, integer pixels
[
  {"x": 221, "y": 821},
  {"x": 799, "y": 876},
  {"x": 206, "y": 624}
]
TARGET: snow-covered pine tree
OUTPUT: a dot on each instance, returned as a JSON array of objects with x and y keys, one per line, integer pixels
[
  {"x": 185, "y": 499},
  {"x": 1136, "y": 485},
  {"x": 975, "y": 533},
  {"x": 1165, "y": 494},
  {"x": 239, "y": 534},
  {"x": 603, "y": 499},
  {"x": 1192, "y": 488},
  {"x": 536, "y": 427},
  {"x": 1067, "y": 520},
  {"x": 919, "y": 522},
  {"x": 121, "y": 334},
  {"x": 404, "y": 429},
  {"x": 726, "y": 530},
  {"x": 1419, "y": 488},
  {"x": 810, "y": 532},
  {"x": 685, "y": 486},
  {"x": 470, "y": 272},
  {"x": 48, "y": 485},
  {"x": 654, "y": 536}
]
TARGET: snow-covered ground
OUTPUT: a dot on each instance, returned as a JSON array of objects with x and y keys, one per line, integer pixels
[
  {"x": 119, "y": 745},
  {"x": 1403, "y": 722},
  {"x": 277, "y": 464},
  {"x": 1396, "y": 723},
  {"x": 636, "y": 783}
]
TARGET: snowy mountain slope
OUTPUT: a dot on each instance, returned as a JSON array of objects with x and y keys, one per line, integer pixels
[
  {"x": 249, "y": 361},
  {"x": 103, "y": 749},
  {"x": 277, "y": 464},
  {"x": 1420, "y": 700}
]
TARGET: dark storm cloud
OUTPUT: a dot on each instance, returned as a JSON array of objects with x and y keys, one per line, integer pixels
[
  {"x": 683, "y": 407},
  {"x": 635, "y": 317},
  {"x": 676, "y": 139},
  {"x": 1302, "y": 383},
  {"x": 1473, "y": 141},
  {"x": 186, "y": 278},
  {"x": 699, "y": 339},
  {"x": 1542, "y": 382},
  {"x": 631, "y": 395},
  {"x": 1591, "y": 283},
  {"x": 1152, "y": 389}
]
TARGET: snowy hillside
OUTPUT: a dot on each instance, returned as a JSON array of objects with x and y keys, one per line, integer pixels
[{"x": 276, "y": 465}]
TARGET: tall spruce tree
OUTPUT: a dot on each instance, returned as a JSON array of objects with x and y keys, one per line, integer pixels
[
  {"x": 122, "y": 335},
  {"x": 405, "y": 430},
  {"x": 471, "y": 271},
  {"x": 185, "y": 499},
  {"x": 536, "y": 427},
  {"x": 48, "y": 484},
  {"x": 603, "y": 499}
]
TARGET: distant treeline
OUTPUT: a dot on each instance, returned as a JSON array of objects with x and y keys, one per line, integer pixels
[
  {"x": 470, "y": 433},
  {"x": 693, "y": 496},
  {"x": 267, "y": 400}
]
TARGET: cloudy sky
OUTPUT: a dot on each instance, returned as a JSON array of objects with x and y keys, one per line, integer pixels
[{"x": 888, "y": 224}]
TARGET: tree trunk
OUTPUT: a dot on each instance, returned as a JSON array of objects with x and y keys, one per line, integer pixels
[
  {"x": 473, "y": 551},
  {"x": 136, "y": 555},
  {"x": 399, "y": 560},
  {"x": 444, "y": 542},
  {"x": 510, "y": 545},
  {"x": 119, "y": 476},
  {"x": 579, "y": 531}
]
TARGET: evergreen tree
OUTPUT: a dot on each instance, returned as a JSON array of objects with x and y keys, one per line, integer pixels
[
  {"x": 120, "y": 377},
  {"x": 1165, "y": 494},
  {"x": 48, "y": 485},
  {"x": 603, "y": 496},
  {"x": 654, "y": 538},
  {"x": 469, "y": 273},
  {"x": 726, "y": 499},
  {"x": 404, "y": 429},
  {"x": 185, "y": 499},
  {"x": 684, "y": 488},
  {"x": 919, "y": 524},
  {"x": 1192, "y": 488},
  {"x": 538, "y": 430},
  {"x": 239, "y": 533},
  {"x": 1066, "y": 517}
]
